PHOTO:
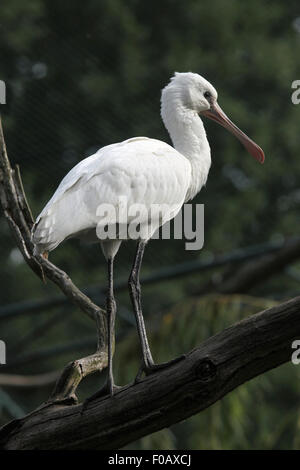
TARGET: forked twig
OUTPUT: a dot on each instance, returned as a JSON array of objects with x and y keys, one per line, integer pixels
[{"x": 19, "y": 217}]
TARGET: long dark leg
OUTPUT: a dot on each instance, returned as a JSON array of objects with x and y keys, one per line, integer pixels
[
  {"x": 135, "y": 295},
  {"x": 111, "y": 318},
  {"x": 148, "y": 365},
  {"x": 109, "y": 387}
]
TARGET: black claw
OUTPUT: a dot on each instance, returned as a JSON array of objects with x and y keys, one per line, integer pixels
[
  {"x": 148, "y": 369},
  {"x": 105, "y": 391}
]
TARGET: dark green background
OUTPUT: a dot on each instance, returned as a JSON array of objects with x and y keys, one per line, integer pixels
[{"x": 81, "y": 75}]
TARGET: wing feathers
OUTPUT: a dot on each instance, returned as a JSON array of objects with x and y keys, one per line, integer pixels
[{"x": 145, "y": 171}]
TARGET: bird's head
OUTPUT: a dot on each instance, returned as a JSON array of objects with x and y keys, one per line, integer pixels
[{"x": 195, "y": 93}]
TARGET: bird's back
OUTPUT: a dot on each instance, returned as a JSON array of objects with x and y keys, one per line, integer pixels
[{"x": 141, "y": 170}]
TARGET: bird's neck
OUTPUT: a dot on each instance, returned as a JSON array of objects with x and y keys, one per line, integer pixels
[{"x": 188, "y": 135}]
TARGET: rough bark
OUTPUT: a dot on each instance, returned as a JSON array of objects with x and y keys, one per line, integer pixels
[{"x": 222, "y": 363}]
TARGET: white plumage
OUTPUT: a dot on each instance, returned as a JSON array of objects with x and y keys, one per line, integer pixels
[{"x": 143, "y": 171}]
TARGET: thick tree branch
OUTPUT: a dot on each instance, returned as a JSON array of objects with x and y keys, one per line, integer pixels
[{"x": 222, "y": 363}]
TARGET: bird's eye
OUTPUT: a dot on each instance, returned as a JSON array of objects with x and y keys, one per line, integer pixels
[{"x": 207, "y": 94}]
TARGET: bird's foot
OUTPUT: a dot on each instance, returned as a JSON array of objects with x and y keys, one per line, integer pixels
[
  {"x": 107, "y": 390},
  {"x": 151, "y": 367}
]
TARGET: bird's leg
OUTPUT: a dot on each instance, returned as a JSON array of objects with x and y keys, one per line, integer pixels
[
  {"x": 111, "y": 318},
  {"x": 109, "y": 388},
  {"x": 148, "y": 365},
  {"x": 135, "y": 295}
]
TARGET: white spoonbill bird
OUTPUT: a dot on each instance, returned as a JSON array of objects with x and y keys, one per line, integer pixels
[{"x": 146, "y": 172}]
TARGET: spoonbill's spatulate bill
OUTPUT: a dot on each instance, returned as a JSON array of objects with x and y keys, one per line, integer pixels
[{"x": 144, "y": 171}]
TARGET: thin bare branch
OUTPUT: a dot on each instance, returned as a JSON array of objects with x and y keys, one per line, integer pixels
[
  {"x": 74, "y": 372},
  {"x": 38, "y": 380},
  {"x": 18, "y": 214}
]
